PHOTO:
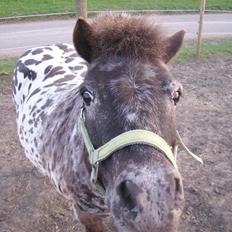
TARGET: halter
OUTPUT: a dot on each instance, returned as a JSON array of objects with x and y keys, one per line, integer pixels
[{"x": 131, "y": 137}]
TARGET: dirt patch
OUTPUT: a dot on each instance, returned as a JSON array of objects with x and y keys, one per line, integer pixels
[{"x": 29, "y": 203}]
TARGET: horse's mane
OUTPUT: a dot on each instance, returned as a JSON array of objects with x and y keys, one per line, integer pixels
[{"x": 136, "y": 37}]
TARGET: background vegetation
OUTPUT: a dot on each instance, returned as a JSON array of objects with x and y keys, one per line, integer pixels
[{"x": 30, "y": 7}]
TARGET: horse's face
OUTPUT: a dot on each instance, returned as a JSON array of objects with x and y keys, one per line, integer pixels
[{"x": 144, "y": 191}]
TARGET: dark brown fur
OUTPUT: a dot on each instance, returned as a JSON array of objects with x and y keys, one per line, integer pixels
[
  {"x": 135, "y": 37},
  {"x": 128, "y": 73}
]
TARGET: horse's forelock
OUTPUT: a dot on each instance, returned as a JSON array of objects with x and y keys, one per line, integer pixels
[{"x": 124, "y": 35}]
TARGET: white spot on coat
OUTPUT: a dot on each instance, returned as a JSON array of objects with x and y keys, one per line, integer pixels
[{"x": 131, "y": 117}]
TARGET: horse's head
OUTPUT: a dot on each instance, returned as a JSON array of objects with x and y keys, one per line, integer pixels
[{"x": 128, "y": 86}]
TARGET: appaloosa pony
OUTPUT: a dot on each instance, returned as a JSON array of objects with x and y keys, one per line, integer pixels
[{"x": 115, "y": 93}]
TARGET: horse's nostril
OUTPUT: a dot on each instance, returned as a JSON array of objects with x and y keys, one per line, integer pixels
[
  {"x": 177, "y": 184},
  {"x": 127, "y": 191},
  {"x": 178, "y": 187}
]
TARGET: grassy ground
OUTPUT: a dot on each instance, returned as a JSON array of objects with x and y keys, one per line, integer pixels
[
  {"x": 210, "y": 49},
  {"x": 28, "y": 7},
  {"x": 157, "y": 4},
  {"x": 6, "y": 70},
  {"x": 6, "y": 66}
]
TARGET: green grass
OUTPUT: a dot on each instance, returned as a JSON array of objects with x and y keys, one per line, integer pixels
[
  {"x": 210, "y": 49},
  {"x": 30, "y": 7},
  {"x": 157, "y": 4},
  {"x": 7, "y": 66},
  {"x": 6, "y": 70}
]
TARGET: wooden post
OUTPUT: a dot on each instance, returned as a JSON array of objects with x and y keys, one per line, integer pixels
[
  {"x": 199, "y": 36},
  {"x": 82, "y": 8}
]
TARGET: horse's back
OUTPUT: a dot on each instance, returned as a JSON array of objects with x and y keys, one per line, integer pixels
[{"x": 42, "y": 78}]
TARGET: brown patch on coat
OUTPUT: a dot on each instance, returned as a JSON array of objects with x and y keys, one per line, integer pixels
[
  {"x": 30, "y": 61},
  {"x": 47, "y": 69},
  {"x": 47, "y": 57},
  {"x": 34, "y": 92},
  {"x": 53, "y": 72},
  {"x": 37, "y": 51}
]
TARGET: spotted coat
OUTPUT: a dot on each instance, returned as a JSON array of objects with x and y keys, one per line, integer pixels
[{"x": 45, "y": 86}]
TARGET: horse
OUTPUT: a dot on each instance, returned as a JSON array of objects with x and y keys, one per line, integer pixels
[{"x": 98, "y": 118}]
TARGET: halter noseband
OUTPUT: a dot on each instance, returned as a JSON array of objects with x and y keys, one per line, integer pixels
[{"x": 125, "y": 139}]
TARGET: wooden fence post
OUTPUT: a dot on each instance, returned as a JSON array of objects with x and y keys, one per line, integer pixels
[
  {"x": 82, "y": 8},
  {"x": 199, "y": 36}
]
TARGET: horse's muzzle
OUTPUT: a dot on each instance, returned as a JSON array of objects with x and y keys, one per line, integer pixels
[{"x": 151, "y": 199}]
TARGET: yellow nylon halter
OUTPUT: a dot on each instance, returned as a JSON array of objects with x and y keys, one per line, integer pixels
[{"x": 125, "y": 139}]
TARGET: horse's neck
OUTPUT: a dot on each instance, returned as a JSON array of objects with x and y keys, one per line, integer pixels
[
  {"x": 66, "y": 158},
  {"x": 63, "y": 140}
]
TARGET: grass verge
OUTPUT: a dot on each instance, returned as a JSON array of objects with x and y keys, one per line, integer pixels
[
  {"x": 6, "y": 66},
  {"x": 211, "y": 48},
  {"x": 6, "y": 70},
  {"x": 157, "y": 4},
  {"x": 29, "y": 7}
]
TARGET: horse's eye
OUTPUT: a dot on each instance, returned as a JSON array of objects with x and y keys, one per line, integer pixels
[
  {"x": 87, "y": 96},
  {"x": 176, "y": 96}
]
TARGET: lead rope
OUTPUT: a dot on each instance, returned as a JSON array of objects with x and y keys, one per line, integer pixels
[{"x": 181, "y": 143}]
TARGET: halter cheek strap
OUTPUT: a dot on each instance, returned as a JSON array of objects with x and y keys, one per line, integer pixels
[{"x": 125, "y": 139}]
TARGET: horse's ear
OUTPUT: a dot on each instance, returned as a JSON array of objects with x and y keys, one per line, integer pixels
[
  {"x": 83, "y": 39},
  {"x": 172, "y": 45}
]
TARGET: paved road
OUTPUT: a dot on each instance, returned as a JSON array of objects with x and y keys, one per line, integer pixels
[{"x": 16, "y": 38}]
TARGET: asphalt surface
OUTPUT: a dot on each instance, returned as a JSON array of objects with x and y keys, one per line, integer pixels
[{"x": 18, "y": 37}]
